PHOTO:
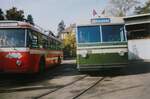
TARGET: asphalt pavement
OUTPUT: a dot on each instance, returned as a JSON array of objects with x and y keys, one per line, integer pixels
[{"x": 65, "y": 82}]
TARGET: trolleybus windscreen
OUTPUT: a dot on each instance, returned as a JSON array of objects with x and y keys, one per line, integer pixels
[
  {"x": 113, "y": 33},
  {"x": 12, "y": 37},
  {"x": 87, "y": 34}
]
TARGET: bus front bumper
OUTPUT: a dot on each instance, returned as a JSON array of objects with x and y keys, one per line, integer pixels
[{"x": 100, "y": 66}]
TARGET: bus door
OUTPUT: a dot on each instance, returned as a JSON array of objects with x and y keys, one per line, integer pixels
[{"x": 138, "y": 41}]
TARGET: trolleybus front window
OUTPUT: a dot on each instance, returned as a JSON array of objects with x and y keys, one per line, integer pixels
[
  {"x": 113, "y": 33},
  {"x": 87, "y": 34},
  {"x": 12, "y": 37}
]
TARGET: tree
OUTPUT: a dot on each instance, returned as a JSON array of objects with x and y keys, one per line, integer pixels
[
  {"x": 1, "y": 15},
  {"x": 69, "y": 41},
  {"x": 69, "y": 44},
  {"x": 14, "y": 14},
  {"x": 143, "y": 9},
  {"x": 30, "y": 19},
  {"x": 121, "y": 7},
  {"x": 61, "y": 26}
]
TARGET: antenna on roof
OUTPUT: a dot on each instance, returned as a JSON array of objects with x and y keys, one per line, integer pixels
[{"x": 12, "y": 3}]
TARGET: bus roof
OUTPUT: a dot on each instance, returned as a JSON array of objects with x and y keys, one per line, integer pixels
[
  {"x": 22, "y": 24},
  {"x": 106, "y": 21},
  {"x": 18, "y": 24}
]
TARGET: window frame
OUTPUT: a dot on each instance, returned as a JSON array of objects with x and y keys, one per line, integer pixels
[
  {"x": 88, "y": 41},
  {"x": 32, "y": 33},
  {"x": 24, "y": 45},
  {"x": 121, "y": 39},
  {"x": 124, "y": 39}
]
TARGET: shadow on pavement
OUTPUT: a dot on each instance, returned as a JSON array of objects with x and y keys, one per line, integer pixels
[
  {"x": 17, "y": 80},
  {"x": 131, "y": 69}
]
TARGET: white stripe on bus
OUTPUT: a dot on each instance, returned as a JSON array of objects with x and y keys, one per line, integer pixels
[
  {"x": 44, "y": 52},
  {"x": 14, "y": 49},
  {"x": 53, "y": 58},
  {"x": 94, "y": 47},
  {"x": 99, "y": 51},
  {"x": 32, "y": 51}
]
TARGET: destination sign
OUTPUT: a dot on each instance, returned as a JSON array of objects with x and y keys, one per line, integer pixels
[
  {"x": 101, "y": 20},
  {"x": 6, "y": 24}
]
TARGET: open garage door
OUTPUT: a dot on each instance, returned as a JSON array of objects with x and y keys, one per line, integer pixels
[{"x": 138, "y": 33}]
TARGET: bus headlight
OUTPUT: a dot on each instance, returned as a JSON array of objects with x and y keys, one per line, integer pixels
[
  {"x": 121, "y": 53},
  {"x": 18, "y": 62},
  {"x": 84, "y": 54}
]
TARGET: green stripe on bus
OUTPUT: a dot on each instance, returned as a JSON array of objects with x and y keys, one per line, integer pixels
[{"x": 102, "y": 59}]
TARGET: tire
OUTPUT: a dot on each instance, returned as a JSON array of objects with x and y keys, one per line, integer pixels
[{"x": 42, "y": 65}]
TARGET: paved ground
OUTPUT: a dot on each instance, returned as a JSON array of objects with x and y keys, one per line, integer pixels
[{"x": 65, "y": 82}]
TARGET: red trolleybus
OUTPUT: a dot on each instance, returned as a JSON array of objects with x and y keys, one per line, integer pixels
[{"x": 24, "y": 48}]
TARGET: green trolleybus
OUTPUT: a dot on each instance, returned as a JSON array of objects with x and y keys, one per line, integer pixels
[{"x": 101, "y": 43}]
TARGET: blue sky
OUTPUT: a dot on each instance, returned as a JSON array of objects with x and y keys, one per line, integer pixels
[{"x": 48, "y": 13}]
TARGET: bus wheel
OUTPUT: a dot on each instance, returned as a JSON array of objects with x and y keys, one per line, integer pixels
[{"x": 42, "y": 65}]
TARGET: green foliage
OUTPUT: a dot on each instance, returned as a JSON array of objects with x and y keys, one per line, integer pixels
[
  {"x": 14, "y": 14},
  {"x": 1, "y": 15},
  {"x": 143, "y": 9},
  {"x": 30, "y": 19},
  {"x": 121, "y": 7},
  {"x": 69, "y": 44}
]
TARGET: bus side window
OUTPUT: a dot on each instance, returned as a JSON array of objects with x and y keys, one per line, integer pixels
[
  {"x": 58, "y": 45},
  {"x": 52, "y": 44},
  {"x": 35, "y": 41},
  {"x": 32, "y": 39},
  {"x": 49, "y": 43},
  {"x": 44, "y": 41},
  {"x": 55, "y": 44}
]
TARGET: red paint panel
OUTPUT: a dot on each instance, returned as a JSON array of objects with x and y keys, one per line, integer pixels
[
  {"x": 9, "y": 64},
  {"x": 29, "y": 62}
]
